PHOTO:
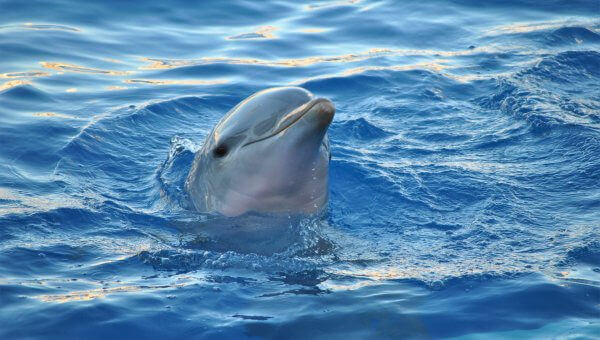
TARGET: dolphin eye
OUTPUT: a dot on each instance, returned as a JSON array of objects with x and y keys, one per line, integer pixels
[{"x": 220, "y": 151}]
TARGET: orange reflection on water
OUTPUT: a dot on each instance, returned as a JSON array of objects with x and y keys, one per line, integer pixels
[
  {"x": 86, "y": 295},
  {"x": 313, "y": 30},
  {"x": 98, "y": 293},
  {"x": 161, "y": 64},
  {"x": 176, "y": 81},
  {"x": 116, "y": 88},
  {"x": 526, "y": 27},
  {"x": 111, "y": 60},
  {"x": 168, "y": 64},
  {"x": 31, "y": 74},
  {"x": 435, "y": 66},
  {"x": 81, "y": 69},
  {"x": 13, "y": 83},
  {"x": 54, "y": 114},
  {"x": 431, "y": 66},
  {"x": 432, "y": 273}
]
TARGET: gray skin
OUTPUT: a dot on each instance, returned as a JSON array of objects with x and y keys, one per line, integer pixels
[{"x": 268, "y": 154}]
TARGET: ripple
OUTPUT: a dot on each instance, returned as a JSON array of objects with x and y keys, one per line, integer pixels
[
  {"x": 23, "y": 90},
  {"x": 51, "y": 27},
  {"x": 43, "y": 27},
  {"x": 54, "y": 114},
  {"x": 527, "y": 27},
  {"x": 13, "y": 83},
  {"x": 174, "y": 82},
  {"x": 158, "y": 64},
  {"x": 252, "y": 317},
  {"x": 116, "y": 88},
  {"x": 576, "y": 34},
  {"x": 588, "y": 253},
  {"x": 313, "y": 30},
  {"x": 542, "y": 94},
  {"x": 81, "y": 69},
  {"x": 359, "y": 129},
  {"x": 13, "y": 202},
  {"x": 329, "y": 4},
  {"x": 100, "y": 293},
  {"x": 31, "y": 74},
  {"x": 265, "y": 32}
]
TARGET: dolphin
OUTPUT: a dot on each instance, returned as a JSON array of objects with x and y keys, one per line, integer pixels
[{"x": 269, "y": 154}]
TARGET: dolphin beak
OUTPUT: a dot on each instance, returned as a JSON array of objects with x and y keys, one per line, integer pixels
[
  {"x": 322, "y": 112},
  {"x": 318, "y": 113},
  {"x": 318, "y": 117}
]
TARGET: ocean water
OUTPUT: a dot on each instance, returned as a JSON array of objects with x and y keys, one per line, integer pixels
[{"x": 464, "y": 180}]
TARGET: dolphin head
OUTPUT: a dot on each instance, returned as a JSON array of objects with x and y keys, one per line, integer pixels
[{"x": 270, "y": 153}]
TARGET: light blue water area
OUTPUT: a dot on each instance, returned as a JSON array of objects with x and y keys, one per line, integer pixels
[{"x": 465, "y": 171}]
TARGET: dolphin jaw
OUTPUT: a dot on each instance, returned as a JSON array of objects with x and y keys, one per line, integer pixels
[{"x": 322, "y": 107}]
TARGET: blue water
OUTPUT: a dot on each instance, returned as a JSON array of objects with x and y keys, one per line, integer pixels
[{"x": 465, "y": 172}]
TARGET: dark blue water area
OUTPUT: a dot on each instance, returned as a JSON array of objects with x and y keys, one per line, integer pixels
[{"x": 464, "y": 179}]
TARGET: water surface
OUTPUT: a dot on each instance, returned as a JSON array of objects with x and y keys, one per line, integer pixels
[{"x": 465, "y": 177}]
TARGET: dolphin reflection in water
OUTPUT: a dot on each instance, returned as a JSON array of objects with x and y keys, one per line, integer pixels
[{"x": 269, "y": 154}]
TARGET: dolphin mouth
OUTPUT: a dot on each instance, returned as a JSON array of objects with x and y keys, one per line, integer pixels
[{"x": 326, "y": 112}]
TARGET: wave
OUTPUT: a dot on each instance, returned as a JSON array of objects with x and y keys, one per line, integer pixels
[{"x": 559, "y": 90}]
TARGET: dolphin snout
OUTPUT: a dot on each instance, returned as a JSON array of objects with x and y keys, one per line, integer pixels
[
  {"x": 317, "y": 113},
  {"x": 323, "y": 111}
]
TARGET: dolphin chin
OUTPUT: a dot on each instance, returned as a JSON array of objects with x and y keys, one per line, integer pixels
[{"x": 269, "y": 154}]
